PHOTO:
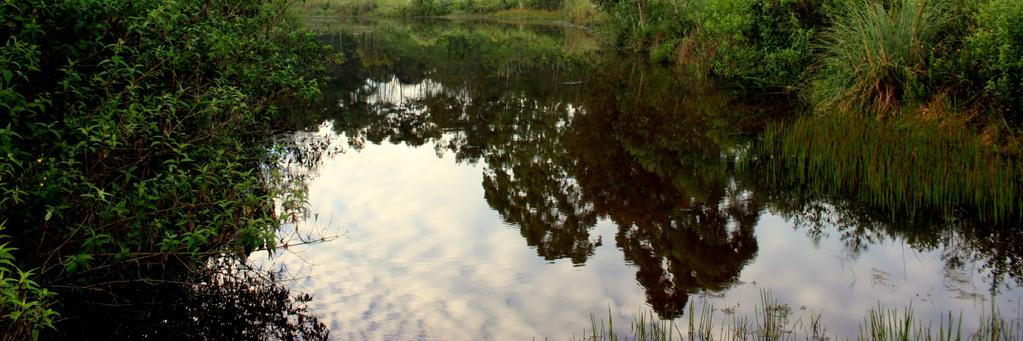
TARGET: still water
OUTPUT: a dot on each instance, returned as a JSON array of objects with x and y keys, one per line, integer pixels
[{"x": 505, "y": 181}]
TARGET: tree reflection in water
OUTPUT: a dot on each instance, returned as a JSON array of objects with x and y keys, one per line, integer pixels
[
  {"x": 569, "y": 141},
  {"x": 653, "y": 159},
  {"x": 559, "y": 157}
]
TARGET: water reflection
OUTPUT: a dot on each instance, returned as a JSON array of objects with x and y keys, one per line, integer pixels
[
  {"x": 617, "y": 142},
  {"x": 659, "y": 163},
  {"x": 567, "y": 140},
  {"x": 229, "y": 301}
]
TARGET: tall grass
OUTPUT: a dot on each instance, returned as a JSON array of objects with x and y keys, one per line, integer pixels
[
  {"x": 889, "y": 324},
  {"x": 874, "y": 55},
  {"x": 879, "y": 324},
  {"x": 770, "y": 318},
  {"x": 580, "y": 11},
  {"x": 770, "y": 322}
]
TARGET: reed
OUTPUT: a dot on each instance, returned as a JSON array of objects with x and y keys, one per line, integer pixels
[{"x": 771, "y": 323}]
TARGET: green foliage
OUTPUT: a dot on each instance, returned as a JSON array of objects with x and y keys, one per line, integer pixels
[
  {"x": 757, "y": 43},
  {"x": 428, "y": 7},
  {"x": 875, "y": 55},
  {"x": 128, "y": 149},
  {"x": 649, "y": 24},
  {"x": 446, "y": 7},
  {"x": 761, "y": 43},
  {"x": 447, "y": 48},
  {"x": 863, "y": 57},
  {"x": 576, "y": 9},
  {"x": 663, "y": 52},
  {"x": 994, "y": 54},
  {"x": 24, "y": 305}
]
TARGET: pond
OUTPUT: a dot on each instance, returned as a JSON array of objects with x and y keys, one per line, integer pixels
[{"x": 508, "y": 181}]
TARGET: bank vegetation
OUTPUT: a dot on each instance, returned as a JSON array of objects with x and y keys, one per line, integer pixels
[{"x": 130, "y": 145}]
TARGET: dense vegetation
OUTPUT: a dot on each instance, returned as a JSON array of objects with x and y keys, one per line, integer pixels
[
  {"x": 548, "y": 10},
  {"x": 129, "y": 142},
  {"x": 938, "y": 80},
  {"x": 908, "y": 102},
  {"x": 876, "y": 58}
]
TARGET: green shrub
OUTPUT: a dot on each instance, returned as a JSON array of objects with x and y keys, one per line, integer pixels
[
  {"x": 761, "y": 43},
  {"x": 643, "y": 25},
  {"x": 129, "y": 144},
  {"x": 24, "y": 306},
  {"x": 446, "y": 7},
  {"x": 994, "y": 54},
  {"x": 429, "y": 7},
  {"x": 757, "y": 43},
  {"x": 875, "y": 56},
  {"x": 549, "y": 5},
  {"x": 579, "y": 11},
  {"x": 663, "y": 52}
]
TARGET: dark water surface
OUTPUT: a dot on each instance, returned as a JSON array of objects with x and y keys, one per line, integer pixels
[{"x": 499, "y": 181}]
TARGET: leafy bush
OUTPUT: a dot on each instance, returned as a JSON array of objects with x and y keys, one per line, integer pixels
[
  {"x": 24, "y": 306},
  {"x": 446, "y": 7},
  {"x": 875, "y": 55},
  {"x": 994, "y": 54},
  {"x": 758, "y": 43},
  {"x": 761, "y": 43},
  {"x": 429, "y": 7},
  {"x": 129, "y": 146},
  {"x": 647, "y": 24},
  {"x": 663, "y": 52},
  {"x": 549, "y": 5}
]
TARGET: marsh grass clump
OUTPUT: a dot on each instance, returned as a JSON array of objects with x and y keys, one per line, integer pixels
[
  {"x": 770, "y": 322},
  {"x": 890, "y": 324},
  {"x": 875, "y": 55}
]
